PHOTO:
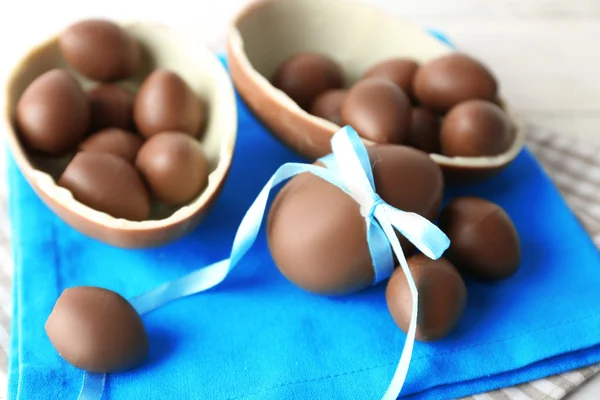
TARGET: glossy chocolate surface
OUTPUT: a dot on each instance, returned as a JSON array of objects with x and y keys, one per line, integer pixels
[
  {"x": 317, "y": 235},
  {"x": 174, "y": 167},
  {"x": 378, "y": 110},
  {"x": 100, "y": 50},
  {"x": 107, "y": 183},
  {"x": 304, "y": 76},
  {"x": 53, "y": 113},
  {"x": 97, "y": 330},
  {"x": 484, "y": 242},
  {"x": 442, "y": 297}
]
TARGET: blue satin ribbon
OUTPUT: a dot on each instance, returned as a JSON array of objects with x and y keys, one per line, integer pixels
[{"x": 349, "y": 168}]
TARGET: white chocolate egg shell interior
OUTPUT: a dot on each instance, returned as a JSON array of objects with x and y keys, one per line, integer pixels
[
  {"x": 162, "y": 48},
  {"x": 354, "y": 34}
]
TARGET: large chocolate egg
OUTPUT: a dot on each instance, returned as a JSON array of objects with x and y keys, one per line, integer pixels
[
  {"x": 97, "y": 330},
  {"x": 111, "y": 107},
  {"x": 424, "y": 132},
  {"x": 304, "y": 76},
  {"x": 378, "y": 110},
  {"x": 442, "y": 297},
  {"x": 174, "y": 166},
  {"x": 53, "y": 113},
  {"x": 484, "y": 243},
  {"x": 399, "y": 71},
  {"x": 114, "y": 141},
  {"x": 165, "y": 102},
  {"x": 317, "y": 235},
  {"x": 448, "y": 80},
  {"x": 476, "y": 128},
  {"x": 100, "y": 50},
  {"x": 328, "y": 105},
  {"x": 107, "y": 183}
]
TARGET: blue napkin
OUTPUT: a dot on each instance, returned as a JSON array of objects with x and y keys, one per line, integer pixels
[{"x": 256, "y": 336}]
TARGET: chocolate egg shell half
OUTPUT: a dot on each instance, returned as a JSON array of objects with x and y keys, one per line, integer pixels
[
  {"x": 255, "y": 53},
  {"x": 317, "y": 235},
  {"x": 442, "y": 297},
  {"x": 97, "y": 330},
  {"x": 101, "y": 50},
  {"x": 484, "y": 243},
  {"x": 163, "y": 48}
]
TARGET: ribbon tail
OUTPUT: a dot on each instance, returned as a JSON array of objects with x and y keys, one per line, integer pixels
[
  {"x": 399, "y": 378},
  {"x": 421, "y": 232}
]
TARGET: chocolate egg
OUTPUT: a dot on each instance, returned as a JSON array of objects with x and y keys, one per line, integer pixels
[
  {"x": 100, "y": 50},
  {"x": 107, "y": 183},
  {"x": 53, "y": 113},
  {"x": 448, "y": 80},
  {"x": 329, "y": 104},
  {"x": 399, "y": 71},
  {"x": 378, "y": 110},
  {"x": 484, "y": 242},
  {"x": 424, "y": 132},
  {"x": 165, "y": 102},
  {"x": 114, "y": 141},
  {"x": 317, "y": 235},
  {"x": 476, "y": 128},
  {"x": 97, "y": 330},
  {"x": 442, "y": 297},
  {"x": 174, "y": 166},
  {"x": 304, "y": 76},
  {"x": 111, "y": 107}
]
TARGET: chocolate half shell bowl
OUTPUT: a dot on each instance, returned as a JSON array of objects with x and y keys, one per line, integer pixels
[
  {"x": 163, "y": 48},
  {"x": 354, "y": 34}
]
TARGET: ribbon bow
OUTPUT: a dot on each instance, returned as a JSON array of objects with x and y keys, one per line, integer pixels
[{"x": 348, "y": 168}]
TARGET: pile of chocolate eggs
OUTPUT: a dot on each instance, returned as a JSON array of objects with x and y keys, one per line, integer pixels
[{"x": 126, "y": 150}]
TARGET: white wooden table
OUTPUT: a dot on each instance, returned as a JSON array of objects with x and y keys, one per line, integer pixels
[{"x": 545, "y": 53}]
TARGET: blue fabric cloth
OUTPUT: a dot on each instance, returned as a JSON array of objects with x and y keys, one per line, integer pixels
[{"x": 257, "y": 336}]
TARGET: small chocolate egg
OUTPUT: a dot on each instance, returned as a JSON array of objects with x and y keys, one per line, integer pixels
[
  {"x": 100, "y": 50},
  {"x": 53, "y": 114},
  {"x": 442, "y": 297},
  {"x": 476, "y": 128},
  {"x": 399, "y": 71},
  {"x": 107, "y": 183},
  {"x": 111, "y": 107},
  {"x": 484, "y": 242},
  {"x": 304, "y": 76},
  {"x": 174, "y": 166},
  {"x": 317, "y": 235},
  {"x": 448, "y": 80},
  {"x": 115, "y": 141},
  {"x": 378, "y": 110},
  {"x": 424, "y": 132},
  {"x": 329, "y": 104},
  {"x": 97, "y": 330},
  {"x": 165, "y": 102}
]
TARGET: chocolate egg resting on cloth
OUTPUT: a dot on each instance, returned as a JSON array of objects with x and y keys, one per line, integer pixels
[
  {"x": 442, "y": 297},
  {"x": 317, "y": 235},
  {"x": 97, "y": 330}
]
